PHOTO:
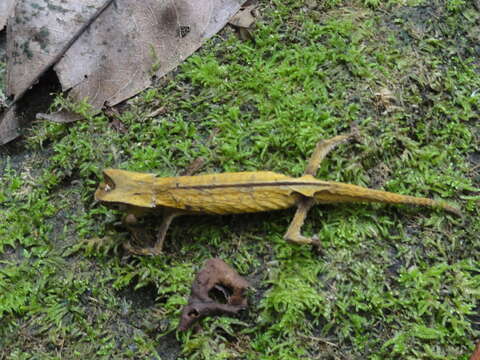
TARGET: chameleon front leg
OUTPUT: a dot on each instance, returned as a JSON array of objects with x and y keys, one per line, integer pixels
[
  {"x": 168, "y": 217},
  {"x": 321, "y": 150},
  {"x": 162, "y": 231},
  {"x": 160, "y": 238}
]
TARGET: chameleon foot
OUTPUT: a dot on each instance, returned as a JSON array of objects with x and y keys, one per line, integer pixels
[
  {"x": 151, "y": 251},
  {"x": 315, "y": 241},
  {"x": 300, "y": 239},
  {"x": 317, "y": 245}
]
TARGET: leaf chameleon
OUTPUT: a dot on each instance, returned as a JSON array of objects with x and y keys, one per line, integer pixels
[{"x": 243, "y": 192}]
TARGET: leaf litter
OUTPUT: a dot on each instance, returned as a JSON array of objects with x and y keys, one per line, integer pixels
[{"x": 106, "y": 51}]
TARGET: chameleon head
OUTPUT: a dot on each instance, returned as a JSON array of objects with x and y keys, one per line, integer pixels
[{"x": 126, "y": 187}]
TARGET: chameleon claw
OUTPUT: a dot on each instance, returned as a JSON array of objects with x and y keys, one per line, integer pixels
[{"x": 316, "y": 245}]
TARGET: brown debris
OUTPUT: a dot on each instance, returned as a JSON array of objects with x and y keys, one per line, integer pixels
[
  {"x": 194, "y": 167},
  {"x": 476, "y": 353},
  {"x": 159, "y": 111},
  {"x": 386, "y": 101},
  {"x": 9, "y": 125},
  {"x": 244, "y": 20},
  {"x": 477, "y": 4},
  {"x": 215, "y": 276},
  {"x": 115, "y": 122},
  {"x": 60, "y": 117}
]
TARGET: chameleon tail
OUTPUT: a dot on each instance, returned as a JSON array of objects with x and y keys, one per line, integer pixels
[{"x": 340, "y": 192}]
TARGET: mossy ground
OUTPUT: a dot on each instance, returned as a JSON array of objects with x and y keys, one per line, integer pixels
[{"x": 391, "y": 283}]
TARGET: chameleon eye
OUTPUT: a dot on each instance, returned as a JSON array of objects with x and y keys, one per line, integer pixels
[{"x": 108, "y": 184}]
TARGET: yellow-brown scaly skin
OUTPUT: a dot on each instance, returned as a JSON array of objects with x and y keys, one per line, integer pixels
[
  {"x": 235, "y": 193},
  {"x": 242, "y": 192}
]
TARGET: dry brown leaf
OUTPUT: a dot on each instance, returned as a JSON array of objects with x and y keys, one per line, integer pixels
[
  {"x": 243, "y": 22},
  {"x": 9, "y": 125},
  {"x": 135, "y": 41},
  {"x": 127, "y": 46},
  {"x": 41, "y": 33},
  {"x": 6, "y": 10}
]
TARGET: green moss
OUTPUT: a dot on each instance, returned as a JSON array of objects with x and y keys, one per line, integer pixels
[{"x": 391, "y": 282}]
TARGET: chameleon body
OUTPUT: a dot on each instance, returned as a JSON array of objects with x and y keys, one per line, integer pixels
[
  {"x": 241, "y": 192},
  {"x": 235, "y": 193}
]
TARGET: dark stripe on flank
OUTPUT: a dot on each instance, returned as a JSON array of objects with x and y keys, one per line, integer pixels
[{"x": 245, "y": 185}]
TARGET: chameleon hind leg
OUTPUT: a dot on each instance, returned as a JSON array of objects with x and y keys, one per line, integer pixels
[
  {"x": 293, "y": 233},
  {"x": 323, "y": 147}
]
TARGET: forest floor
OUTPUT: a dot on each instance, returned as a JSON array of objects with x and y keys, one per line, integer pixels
[{"x": 392, "y": 282}]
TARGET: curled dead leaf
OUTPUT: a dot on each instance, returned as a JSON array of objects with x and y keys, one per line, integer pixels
[
  {"x": 215, "y": 277},
  {"x": 476, "y": 353}
]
